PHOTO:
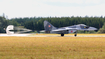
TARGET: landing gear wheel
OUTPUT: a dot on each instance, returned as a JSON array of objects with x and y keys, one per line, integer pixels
[
  {"x": 62, "y": 34},
  {"x": 75, "y": 35}
]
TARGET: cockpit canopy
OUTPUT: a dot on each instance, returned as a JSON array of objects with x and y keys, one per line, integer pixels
[{"x": 83, "y": 26}]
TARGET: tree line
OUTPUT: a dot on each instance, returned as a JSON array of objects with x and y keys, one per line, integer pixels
[
  {"x": 3, "y": 24},
  {"x": 36, "y": 23}
]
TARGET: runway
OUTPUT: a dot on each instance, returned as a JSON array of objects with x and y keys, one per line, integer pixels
[
  {"x": 68, "y": 35},
  {"x": 53, "y": 35},
  {"x": 1, "y": 35}
]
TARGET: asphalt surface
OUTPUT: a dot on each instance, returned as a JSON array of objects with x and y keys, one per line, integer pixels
[
  {"x": 50, "y": 35},
  {"x": 14, "y": 35}
]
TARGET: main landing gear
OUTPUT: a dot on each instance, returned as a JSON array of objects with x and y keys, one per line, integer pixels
[
  {"x": 74, "y": 34},
  {"x": 62, "y": 34}
]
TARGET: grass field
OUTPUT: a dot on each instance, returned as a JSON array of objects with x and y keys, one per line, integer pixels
[{"x": 52, "y": 47}]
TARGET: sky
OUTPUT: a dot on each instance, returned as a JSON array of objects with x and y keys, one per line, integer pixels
[{"x": 51, "y": 8}]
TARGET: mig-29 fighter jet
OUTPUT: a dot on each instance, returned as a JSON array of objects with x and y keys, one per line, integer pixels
[{"x": 49, "y": 28}]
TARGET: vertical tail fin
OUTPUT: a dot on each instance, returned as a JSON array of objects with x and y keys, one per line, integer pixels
[{"x": 48, "y": 27}]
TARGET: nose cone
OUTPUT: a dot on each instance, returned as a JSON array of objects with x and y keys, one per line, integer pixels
[{"x": 92, "y": 28}]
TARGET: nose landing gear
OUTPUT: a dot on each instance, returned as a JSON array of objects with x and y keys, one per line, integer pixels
[{"x": 75, "y": 34}]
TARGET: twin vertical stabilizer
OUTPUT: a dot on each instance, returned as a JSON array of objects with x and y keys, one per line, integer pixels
[{"x": 48, "y": 27}]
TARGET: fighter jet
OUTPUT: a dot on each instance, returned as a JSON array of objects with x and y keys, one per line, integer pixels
[{"x": 49, "y": 28}]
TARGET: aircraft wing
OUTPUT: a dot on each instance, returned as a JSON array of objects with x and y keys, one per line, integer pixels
[{"x": 64, "y": 29}]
